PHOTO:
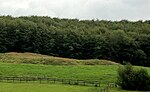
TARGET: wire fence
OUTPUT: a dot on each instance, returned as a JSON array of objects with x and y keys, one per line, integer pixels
[{"x": 47, "y": 80}]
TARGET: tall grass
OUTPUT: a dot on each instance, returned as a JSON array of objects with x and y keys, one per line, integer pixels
[{"x": 31, "y": 58}]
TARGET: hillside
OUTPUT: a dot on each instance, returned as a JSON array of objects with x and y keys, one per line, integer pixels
[
  {"x": 119, "y": 41},
  {"x": 31, "y": 64},
  {"x": 33, "y": 58},
  {"x": 104, "y": 73}
]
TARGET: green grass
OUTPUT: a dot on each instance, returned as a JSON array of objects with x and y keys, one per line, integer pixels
[
  {"x": 120, "y": 90},
  {"x": 29, "y": 64},
  {"x": 31, "y": 87},
  {"x": 104, "y": 73}
]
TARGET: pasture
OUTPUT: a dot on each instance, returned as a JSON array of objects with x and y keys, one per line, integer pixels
[
  {"x": 104, "y": 73},
  {"x": 19, "y": 64},
  {"x": 33, "y": 87}
]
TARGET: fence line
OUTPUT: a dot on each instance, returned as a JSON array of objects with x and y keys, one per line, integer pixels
[
  {"x": 13, "y": 79},
  {"x": 108, "y": 87}
]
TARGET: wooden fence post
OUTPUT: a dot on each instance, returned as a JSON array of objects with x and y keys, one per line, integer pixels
[
  {"x": 20, "y": 79},
  {"x": 84, "y": 83},
  {"x": 0, "y": 78},
  {"x": 13, "y": 79},
  {"x": 61, "y": 80},
  {"x": 7, "y": 79},
  {"x": 54, "y": 80},
  {"x": 26, "y": 79},
  {"x": 47, "y": 80},
  {"x": 69, "y": 82},
  {"x": 40, "y": 80}
]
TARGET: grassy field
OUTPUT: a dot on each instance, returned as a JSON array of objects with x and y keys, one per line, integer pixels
[
  {"x": 120, "y": 90},
  {"x": 31, "y": 87},
  {"x": 103, "y": 73},
  {"x": 29, "y": 64}
]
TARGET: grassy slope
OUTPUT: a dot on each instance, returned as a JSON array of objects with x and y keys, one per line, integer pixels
[
  {"x": 11, "y": 64},
  {"x": 48, "y": 60},
  {"x": 76, "y": 69},
  {"x": 102, "y": 72}
]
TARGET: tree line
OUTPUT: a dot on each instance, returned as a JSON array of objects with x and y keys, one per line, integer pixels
[{"x": 120, "y": 41}]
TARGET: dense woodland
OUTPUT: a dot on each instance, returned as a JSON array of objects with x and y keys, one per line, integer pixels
[{"x": 120, "y": 41}]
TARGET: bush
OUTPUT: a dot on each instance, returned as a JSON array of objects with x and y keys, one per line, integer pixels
[{"x": 131, "y": 79}]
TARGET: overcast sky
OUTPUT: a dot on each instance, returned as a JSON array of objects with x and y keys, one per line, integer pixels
[{"x": 81, "y": 9}]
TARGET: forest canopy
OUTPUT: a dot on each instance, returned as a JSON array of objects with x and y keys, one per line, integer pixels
[{"x": 120, "y": 41}]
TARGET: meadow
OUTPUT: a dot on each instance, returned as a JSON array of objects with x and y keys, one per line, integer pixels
[
  {"x": 105, "y": 73},
  {"x": 32, "y": 87}
]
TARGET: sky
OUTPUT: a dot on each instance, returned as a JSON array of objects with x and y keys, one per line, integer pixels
[{"x": 80, "y": 9}]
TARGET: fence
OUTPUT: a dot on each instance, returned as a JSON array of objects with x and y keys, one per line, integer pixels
[
  {"x": 108, "y": 87},
  {"x": 13, "y": 79}
]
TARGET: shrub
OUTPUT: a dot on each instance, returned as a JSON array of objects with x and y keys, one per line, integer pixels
[{"x": 131, "y": 79}]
